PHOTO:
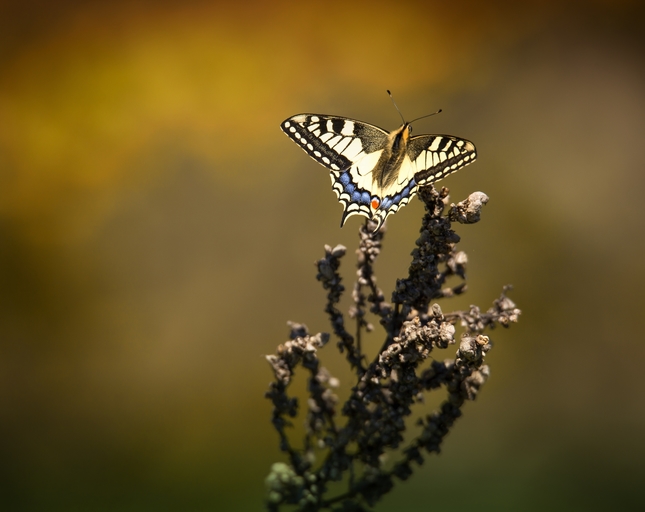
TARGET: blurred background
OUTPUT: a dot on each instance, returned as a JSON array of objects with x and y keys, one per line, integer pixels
[{"x": 157, "y": 230}]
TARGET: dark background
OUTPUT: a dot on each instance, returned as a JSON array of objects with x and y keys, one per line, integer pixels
[{"x": 157, "y": 231}]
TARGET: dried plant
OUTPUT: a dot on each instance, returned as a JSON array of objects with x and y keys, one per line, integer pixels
[{"x": 372, "y": 420}]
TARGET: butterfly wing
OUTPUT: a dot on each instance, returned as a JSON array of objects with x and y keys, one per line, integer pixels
[
  {"x": 351, "y": 150},
  {"x": 348, "y": 148},
  {"x": 429, "y": 158},
  {"x": 398, "y": 194},
  {"x": 433, "y": 157}
]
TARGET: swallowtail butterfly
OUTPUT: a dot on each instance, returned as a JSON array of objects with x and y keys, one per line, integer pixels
[{"x": 374, "y": 173}]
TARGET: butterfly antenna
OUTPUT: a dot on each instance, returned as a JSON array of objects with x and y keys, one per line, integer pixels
[
  {"x": 395, "y": 106},
  {"x": 423, "y": 117}
]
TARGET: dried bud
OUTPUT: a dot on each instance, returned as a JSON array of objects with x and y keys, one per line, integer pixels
[
  {"x": 468, "y": 211},
  {"x": 482, "y": 340},
  {"x": 338, "y": 251}
]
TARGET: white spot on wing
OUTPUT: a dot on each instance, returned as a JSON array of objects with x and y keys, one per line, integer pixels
[
  {"x": 442, "y": 156},
  {"x": 406, "y": 172},
  {"x": 353, "y": 149},
  {"x": 314, "y": 119},
  {"x": 348, "y": 128},
  {"x": 435, "y": 144},
  {"x": 287, "y": 124},
  {"x": 342, "y": 144},
  {"x": 333, "y": 141}
]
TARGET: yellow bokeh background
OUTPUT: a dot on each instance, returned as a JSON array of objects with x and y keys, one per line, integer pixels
[{"x": 157, "y": 231}]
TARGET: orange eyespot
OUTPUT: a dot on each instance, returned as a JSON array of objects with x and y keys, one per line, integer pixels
[{"x": 375, "y": 203}]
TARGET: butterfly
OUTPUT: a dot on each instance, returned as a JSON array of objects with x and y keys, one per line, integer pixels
[{"x": 374, "y": 172}]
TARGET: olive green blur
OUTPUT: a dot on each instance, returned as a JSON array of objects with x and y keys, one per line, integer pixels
[{"x": 157, "y": 231}]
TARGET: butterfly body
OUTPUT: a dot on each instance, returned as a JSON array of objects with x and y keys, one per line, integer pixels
[{"x": 374, "y": 172}]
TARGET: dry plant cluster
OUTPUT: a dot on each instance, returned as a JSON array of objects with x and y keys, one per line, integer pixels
[{"x": 355, "y": 436}]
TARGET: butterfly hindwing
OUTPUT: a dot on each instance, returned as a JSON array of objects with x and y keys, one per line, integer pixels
[
  {"x": 355, "y": 196},
  {"x": 398, "y": 194}
]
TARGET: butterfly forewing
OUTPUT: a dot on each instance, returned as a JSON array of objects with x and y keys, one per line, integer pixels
[
  {"x": 436, "y": 156},
  {"x": 335, "y": 142}
]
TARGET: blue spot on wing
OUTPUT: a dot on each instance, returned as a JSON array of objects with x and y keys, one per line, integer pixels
[
  {"x": 365, "y": 198},
  {"x": 388, "y": 201},
  {"x": 356, "y": 196},
  {"x": 345, "y": 178}
]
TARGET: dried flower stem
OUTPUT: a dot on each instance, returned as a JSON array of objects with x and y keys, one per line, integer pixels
[{"x": 386, "y": 388}]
